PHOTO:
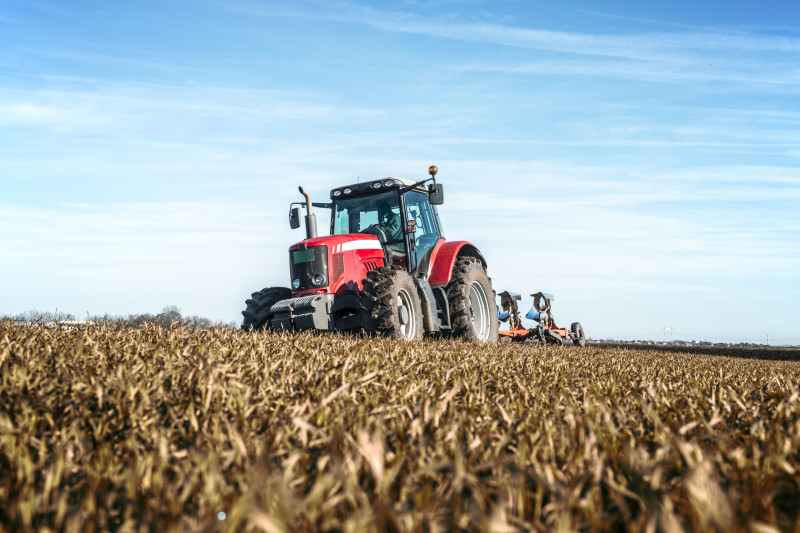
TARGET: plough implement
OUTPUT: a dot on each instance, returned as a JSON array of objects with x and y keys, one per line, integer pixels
[{"x": 546, "y": 331}]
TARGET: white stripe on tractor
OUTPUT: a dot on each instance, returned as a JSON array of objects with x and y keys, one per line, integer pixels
[{"x": 361, "y": 245}]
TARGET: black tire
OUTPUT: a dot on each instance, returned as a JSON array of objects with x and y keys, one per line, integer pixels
[
  {"x": 552, "y": 337},
  {"x": 578, "y": 337},
  {"x": 473, "y": 313},
  {"x": 257, "y": 315},
  {"x": 539, "y": 334},
  {"x": 390, "y": 304}
]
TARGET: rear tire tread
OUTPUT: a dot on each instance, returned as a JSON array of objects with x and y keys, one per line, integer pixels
[{"x": 458, "y": 300}]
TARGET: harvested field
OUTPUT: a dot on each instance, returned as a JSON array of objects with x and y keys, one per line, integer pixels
[{"x": 164, "y": 429}]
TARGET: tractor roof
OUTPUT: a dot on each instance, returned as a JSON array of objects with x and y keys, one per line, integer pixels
[
  {"x": 373, "y": 186},
  {"x": 405, "y": 181}
]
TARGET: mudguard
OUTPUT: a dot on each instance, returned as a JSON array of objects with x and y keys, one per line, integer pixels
[{"x": 444, "y": 256}]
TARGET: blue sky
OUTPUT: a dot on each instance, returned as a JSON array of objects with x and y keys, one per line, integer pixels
[{"x": 640, "y": 160}]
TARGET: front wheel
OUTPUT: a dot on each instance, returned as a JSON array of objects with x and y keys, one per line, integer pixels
[
  {"x": 257, "y": 315},
  {"x": 473, "y": 315},
  {"x": 390, "y": 305}
]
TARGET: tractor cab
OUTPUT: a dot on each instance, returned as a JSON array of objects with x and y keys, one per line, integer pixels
[
  {"x": 385, "y": 268},
  {"x": 400, "y": 212}
]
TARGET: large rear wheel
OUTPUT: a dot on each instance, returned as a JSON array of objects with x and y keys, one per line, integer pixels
[
  {"x": 257, "y": 315},
  {"x": 473, "y": 311},
  {"x": 390, "y": 304}
]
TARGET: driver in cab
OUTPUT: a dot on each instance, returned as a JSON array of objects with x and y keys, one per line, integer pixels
[{"x": 389, "y": 222}]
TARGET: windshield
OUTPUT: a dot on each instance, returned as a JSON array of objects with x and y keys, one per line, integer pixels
[{"x": 354, "y": 215}]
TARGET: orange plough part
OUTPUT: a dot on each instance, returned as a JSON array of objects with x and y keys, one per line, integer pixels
[
  {"x": 545, "y": 332},
  {"x": 518, "y": 333}
]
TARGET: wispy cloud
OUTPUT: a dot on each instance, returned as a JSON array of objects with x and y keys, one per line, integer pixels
[
  {"x": 648, "y": 46},
  {"x": 25, "y": 113},
  {"x": 135, "y": 256},
  {"x": 781, "y": 75},
  {"x": 693, "y": 54}
]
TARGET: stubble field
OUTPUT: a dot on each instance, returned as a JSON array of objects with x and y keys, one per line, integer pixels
[{"x": 164, "y": 429}]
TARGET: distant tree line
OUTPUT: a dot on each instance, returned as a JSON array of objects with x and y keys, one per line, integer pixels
[{"x": 169, "y": 316}]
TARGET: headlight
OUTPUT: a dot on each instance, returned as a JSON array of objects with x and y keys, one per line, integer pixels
[
  {"x": 296, "y": 283},
  {"x": 348, "y": 190},
  {"x": 388, "y": 183},
  {"x": 377, "y": 185},
  {"x": 337, "y": 193},
  {"x": 318, "y": 280}
]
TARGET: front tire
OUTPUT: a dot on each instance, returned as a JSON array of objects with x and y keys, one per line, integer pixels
[
  {"x": 390, "y": 304},
  {"x": 473, "y": 314},
  {"x": 257, "y": 315}
]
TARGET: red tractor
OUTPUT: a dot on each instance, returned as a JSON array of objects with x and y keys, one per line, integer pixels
[{"x": 385, "y": 268}]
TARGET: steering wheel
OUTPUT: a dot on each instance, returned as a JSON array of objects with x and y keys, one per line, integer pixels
[{"x": 373, "y": 229}]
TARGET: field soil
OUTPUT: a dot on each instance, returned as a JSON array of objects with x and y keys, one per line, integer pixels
[
  {"x": 159, "y": 429},
  {"x": 748, "y": 351}
]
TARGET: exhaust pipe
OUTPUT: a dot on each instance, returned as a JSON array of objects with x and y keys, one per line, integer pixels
[{"x": 311, "y": 219}]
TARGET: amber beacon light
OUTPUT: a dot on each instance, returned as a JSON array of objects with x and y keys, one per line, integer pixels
[{"x": 432, "y": 170}]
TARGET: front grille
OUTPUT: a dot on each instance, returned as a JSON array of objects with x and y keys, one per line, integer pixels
[
  {"x": 305, "y": 264},
  {"x": 371, "y": 265},
  {"x": 338, "y": 267}
]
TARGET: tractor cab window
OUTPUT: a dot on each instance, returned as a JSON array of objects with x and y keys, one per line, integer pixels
[
  {"x": 354, "y": 215},
  {"x": 418, "y": 209},
  {"x": 377, "y": 214}
]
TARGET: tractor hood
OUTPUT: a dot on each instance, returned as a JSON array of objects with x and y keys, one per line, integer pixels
[
  {"x": 333, "y": 264},
  {"x": 352, "y": 241}
]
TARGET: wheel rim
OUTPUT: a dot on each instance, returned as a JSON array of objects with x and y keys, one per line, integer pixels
[
  {"x": 479, "y": 309},
  {"x": 405, "y": 309}
]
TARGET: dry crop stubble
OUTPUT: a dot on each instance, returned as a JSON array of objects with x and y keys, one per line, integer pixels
[{"x": 127, "y": 428}]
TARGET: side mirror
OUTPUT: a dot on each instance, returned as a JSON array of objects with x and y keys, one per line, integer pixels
[
  {"x": 436, "y": 193},
  {"x": 294, "y": 218}
]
